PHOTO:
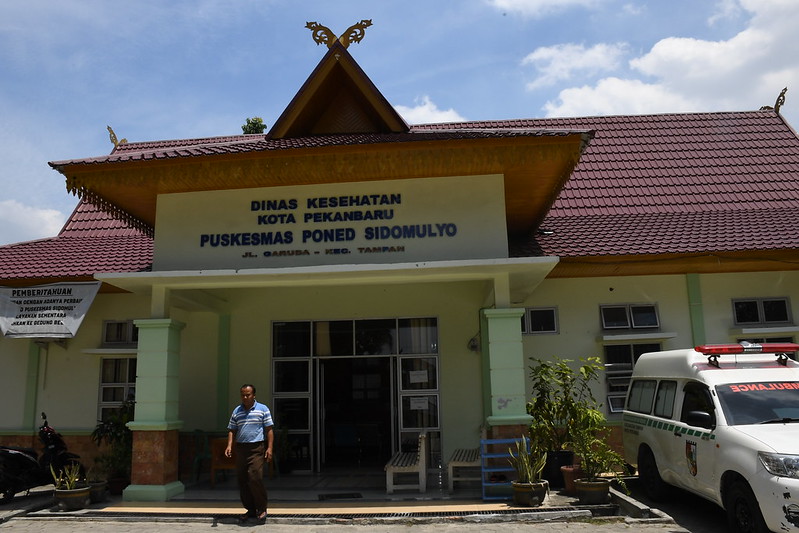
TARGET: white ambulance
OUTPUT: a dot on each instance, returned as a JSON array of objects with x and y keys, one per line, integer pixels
[{"x": 720, "y": 421}]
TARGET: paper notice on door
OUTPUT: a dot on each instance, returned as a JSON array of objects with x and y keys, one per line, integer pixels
[
  {"x": 417, "y": 376},
  {"x": 419, "y": 403}
]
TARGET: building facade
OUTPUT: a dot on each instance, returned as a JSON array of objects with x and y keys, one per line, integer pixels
[{"x": 376, "y": 279}]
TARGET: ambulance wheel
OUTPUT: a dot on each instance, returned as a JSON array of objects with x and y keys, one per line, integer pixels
[
  {"x": 648, "y": 473},
  {"x": 743, "y": 511}
]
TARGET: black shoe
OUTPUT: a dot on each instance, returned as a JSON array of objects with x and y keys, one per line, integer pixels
[
  {"x": 246, "y": 517},
  {"x": 261, "y": 519}
]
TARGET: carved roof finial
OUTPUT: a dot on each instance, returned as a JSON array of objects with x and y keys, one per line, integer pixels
[
  {"x": 353, "y": 34},
  {"x": 780, "y": 100},
  {"x": 113, "y": 137}
]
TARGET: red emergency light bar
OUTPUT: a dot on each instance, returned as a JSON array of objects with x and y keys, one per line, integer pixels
[{"x": 745, "y": 347}]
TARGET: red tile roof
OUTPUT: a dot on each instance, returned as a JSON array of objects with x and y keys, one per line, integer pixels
[
  {"x": 652, "y": 184},
  {"x": 674, "y": 183},
  {"x": 143, "y": 151},
  {"x": 90, "y": 242}
]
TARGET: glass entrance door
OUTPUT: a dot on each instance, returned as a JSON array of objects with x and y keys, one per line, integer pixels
[
  {"x": 351, "y": 392},
  {"x": 355, "y": 406}
]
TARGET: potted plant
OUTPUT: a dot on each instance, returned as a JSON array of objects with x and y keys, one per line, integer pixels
[
  {"x": 98, "y": 482},
  {"x": 600, "y": 465},
  {"x": 570, "y": 473},
  {"x": 114, "y": 434},
  {"x": 71, "y": 492},
  {"x": 562, "y": 403},
  {"x": 529, "y": 489}
]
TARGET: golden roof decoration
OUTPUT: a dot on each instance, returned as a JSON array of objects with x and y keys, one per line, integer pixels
[
  {"x": 353, "y": 34},
  {"x": 113, "y": 137}
]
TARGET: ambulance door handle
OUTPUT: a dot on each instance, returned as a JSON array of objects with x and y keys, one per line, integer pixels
[{"x": 677, "y": 434}]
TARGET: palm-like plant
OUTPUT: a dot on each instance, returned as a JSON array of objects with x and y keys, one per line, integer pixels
[{"x": 527, "y": 462}]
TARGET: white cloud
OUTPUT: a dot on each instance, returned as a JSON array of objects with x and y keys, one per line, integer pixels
[
  {"x": 725, "y": 9},
  {"x": 743, "y": 72},
  {"x": 634, "y": 9},
  {"x": 426, "y": 112},
  {"x": 565, "y": 61},
  {"x": 614, "y": 96},
  {"x": 539, "y": 8},
  {"x": 20, "y": 222}
]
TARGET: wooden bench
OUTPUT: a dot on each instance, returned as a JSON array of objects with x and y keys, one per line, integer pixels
[
  {"x": 218, "y": 460},
  {"x": 407, "y": 463},
  {"x": 467, "y": 458}
]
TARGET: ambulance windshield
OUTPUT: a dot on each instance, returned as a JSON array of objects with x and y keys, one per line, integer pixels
[{"x": 759, "y": 403}]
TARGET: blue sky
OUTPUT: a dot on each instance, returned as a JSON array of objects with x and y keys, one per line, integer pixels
[{"x": 157, "y": 69}]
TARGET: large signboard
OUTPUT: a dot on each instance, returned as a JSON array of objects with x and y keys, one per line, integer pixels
[
  {"x": 395, "y": 221},
  {"x": 52, "y": 311}
]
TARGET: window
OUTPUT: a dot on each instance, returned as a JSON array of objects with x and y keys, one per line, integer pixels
[
  {"x": 117, "y": 384},
  {"x": 619, "y": 362},
  {"x": 540, "y": 320},
  {"x": 626, "y": 316},
  {"x": 120, "y": 333},
  {"x": 664, "y": 401},
  {"x": 642, "y": 392},
  {"x": 761, "y": 311},
  {"x": 622, "y": 357},
  {"x": 697, "y": 398}
]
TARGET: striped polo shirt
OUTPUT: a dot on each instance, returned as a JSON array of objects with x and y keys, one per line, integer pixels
[{"x": 249, "y": 425}]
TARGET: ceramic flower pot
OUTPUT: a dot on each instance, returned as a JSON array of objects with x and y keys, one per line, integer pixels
[
  {"x": 592, "y": 491},
  {"x": 556, "y": 459},
  {"x": 97, "y": 491},
  {"x": 72, "y": 499},
  {"x": 570, "y": 473},
  {"x": 530, "y": 494}
]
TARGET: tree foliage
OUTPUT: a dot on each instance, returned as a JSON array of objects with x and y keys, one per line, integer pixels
[{"x": 253, "y": 125}]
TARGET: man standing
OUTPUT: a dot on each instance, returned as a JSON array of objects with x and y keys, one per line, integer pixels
[{"x": 250, "y": 425}]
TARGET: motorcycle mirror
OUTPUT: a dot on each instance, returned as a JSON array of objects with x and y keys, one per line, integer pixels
[{"x": 44, "y": 416}]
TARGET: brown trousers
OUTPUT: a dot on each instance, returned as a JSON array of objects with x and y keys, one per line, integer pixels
[{"x": 250, "y": 474}]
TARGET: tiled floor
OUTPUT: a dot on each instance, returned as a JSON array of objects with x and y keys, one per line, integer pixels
[
  {"x": 358, "y": 492},
  {"x": 360, "y": 484},
  {"x": 353, "y": 493}
]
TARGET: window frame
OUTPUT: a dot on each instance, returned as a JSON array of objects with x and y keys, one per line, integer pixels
[
  {"x": 630, "y": 315},
  {"x": 129, "y": 387},
  {"x": 527, "y": 321},
  {"x": 130, "y": 337},
  {"x": 762, "y": 321}
]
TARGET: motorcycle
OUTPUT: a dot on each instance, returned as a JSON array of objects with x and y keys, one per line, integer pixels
[{"x": 21, "y": 469}]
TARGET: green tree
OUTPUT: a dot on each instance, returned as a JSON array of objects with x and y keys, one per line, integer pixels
[{"x": 254, "y": 125}]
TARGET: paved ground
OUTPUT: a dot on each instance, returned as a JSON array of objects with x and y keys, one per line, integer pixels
[
  {"x": 217, "y": 511},
  {"x": 34, "y": 514},
  {"x": 27, "y": 525}
]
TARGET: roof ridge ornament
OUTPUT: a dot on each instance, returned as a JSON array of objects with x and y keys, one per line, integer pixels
[
  {"x": 353, "y": 34},
  {"x": 780, "y": 100},
  {"x": 778, "y": 104},
  {"x": 113, "y": 137}
]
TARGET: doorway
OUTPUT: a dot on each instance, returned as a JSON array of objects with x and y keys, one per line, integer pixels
[
  {"x": 354, "y": 411},
  {"x": 348, "y": 393}
]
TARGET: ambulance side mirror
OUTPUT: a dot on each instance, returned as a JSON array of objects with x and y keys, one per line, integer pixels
[{"x": 701, "y": 419}]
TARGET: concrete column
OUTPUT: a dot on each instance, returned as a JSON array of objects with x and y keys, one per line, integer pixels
[
  {"x": 696, "y": 310},
  {"x": 155, "y": 426},
  {"x": 504, "y": 371}
]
